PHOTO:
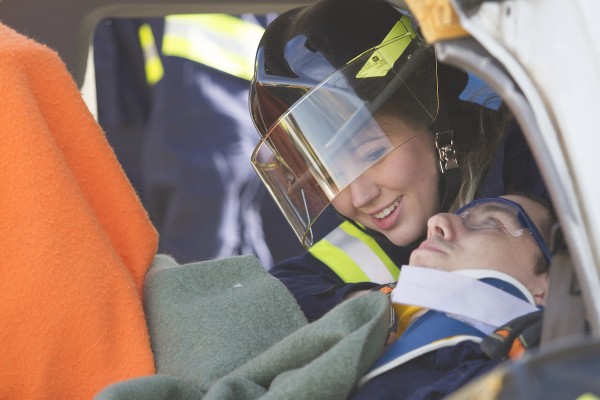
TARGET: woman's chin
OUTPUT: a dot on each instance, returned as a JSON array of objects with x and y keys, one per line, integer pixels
[
  {"x": 398, "y": 235},
  {"x": 401, "y": 238}
]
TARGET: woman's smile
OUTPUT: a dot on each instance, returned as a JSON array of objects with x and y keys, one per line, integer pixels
[
  {"x": 388, "y": 217},
  {"x": 388, "y": 210}
]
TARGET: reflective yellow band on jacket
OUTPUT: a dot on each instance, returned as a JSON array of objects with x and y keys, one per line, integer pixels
[
  {"x": 220, "y": 41},
  {"x": 355, "y": 256},
  {"x": 153, "y": 65}
]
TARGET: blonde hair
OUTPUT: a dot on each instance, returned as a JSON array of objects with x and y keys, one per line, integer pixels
[{"x": 475, "y": 160}]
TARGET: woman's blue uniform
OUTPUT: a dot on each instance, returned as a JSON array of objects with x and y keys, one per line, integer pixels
[{"x": 317, "y": 288}]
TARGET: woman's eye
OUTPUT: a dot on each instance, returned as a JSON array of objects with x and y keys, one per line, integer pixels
[{"x": 374, "y": 155}]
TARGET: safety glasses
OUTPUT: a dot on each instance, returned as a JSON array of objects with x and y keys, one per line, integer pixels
[{"x": 501, "y": 213}]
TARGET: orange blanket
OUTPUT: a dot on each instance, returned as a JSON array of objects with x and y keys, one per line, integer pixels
[{"x": 75, "y": 238}]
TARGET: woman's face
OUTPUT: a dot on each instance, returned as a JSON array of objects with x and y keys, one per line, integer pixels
[{"x": 397, "y": 195}]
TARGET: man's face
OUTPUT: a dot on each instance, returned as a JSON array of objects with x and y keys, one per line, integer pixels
[{"x": 452, "y": 246}]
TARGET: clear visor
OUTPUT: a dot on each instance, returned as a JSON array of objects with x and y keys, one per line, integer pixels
[{"x": 344, "y": 126}]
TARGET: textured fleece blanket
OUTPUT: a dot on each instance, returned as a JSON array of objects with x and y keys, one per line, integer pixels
[
  {"x": 76, "y": 241},
  {"x": 226, "y": 329}
]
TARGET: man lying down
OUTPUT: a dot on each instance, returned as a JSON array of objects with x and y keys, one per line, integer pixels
[
  {"x": 496, "y": 251},
  {"x": 478, "y": 269}
]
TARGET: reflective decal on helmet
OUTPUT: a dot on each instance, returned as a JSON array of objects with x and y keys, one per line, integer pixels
[{"x": 392, "y": 47}]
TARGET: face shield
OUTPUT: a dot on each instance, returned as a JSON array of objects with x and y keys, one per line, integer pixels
[{"x": 340, "y": 128}]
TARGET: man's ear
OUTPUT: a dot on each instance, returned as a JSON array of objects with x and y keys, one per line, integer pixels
[
  {"x": 540, "y": 299},
  {"x": 540, "y": 289}
]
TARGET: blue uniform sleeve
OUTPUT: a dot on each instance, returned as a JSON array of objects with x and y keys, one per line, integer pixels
[{"x": 316, "y": 288}]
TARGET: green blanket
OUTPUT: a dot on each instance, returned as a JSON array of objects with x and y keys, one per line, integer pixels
[{"x": 226, "y": 329}]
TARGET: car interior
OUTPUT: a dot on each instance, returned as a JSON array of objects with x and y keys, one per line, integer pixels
[{"x": 570, "y": 349}]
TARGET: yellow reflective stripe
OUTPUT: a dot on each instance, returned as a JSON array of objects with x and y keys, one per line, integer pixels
[
  {"x": 153, "y": 65},
  {"x": 392, "y": 268},
  {"x": 220, "y": 41},
  {"x": 384, "y": 57},
  {"x": 339, "y": 262},
  {"x": 355, "y": 256}
]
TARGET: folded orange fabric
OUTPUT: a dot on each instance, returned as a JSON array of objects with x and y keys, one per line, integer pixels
[{"x": 77, "y": 241}]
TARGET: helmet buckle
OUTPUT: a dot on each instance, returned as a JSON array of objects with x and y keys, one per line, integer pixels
[{"x": 444, "y": 144}]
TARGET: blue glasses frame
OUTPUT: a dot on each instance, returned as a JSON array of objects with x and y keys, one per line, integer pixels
[{"x": 522, "y": 216}]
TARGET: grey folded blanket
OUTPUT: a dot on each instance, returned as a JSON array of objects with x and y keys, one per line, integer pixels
[{"x": 226, "y": 329}]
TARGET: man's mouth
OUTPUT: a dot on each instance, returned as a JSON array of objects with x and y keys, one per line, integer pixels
[{"x": 431, "y": 245}]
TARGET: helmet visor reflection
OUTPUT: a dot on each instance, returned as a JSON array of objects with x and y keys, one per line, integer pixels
[{"x": 334, "y": 133}]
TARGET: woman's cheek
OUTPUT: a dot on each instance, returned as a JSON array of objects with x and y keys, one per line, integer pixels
[{"x": 343, "y": 204}]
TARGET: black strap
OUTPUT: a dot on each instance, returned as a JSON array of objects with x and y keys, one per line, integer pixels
[{"x": 512, "y": 339}]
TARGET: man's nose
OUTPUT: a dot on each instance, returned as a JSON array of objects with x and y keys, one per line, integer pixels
[
  {"x": 444, "y": 225},
  {"x": 363, "y": 190}
]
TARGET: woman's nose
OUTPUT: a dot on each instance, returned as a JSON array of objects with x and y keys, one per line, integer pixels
[{"x": 363, "y": 190}]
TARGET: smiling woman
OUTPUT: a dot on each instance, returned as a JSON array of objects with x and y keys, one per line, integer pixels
[
  {"x": 326, "y": 124},
  {"x": 358, "y": 114}
]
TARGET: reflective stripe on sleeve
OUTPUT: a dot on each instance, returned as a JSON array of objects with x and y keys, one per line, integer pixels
[
  {"x": 152, "y": 63},
  {"x": 224, "y": 42},
  {"x": 355, "y": 256}
]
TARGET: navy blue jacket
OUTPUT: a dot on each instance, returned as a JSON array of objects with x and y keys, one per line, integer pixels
[{"x": 317, "y": 288}]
